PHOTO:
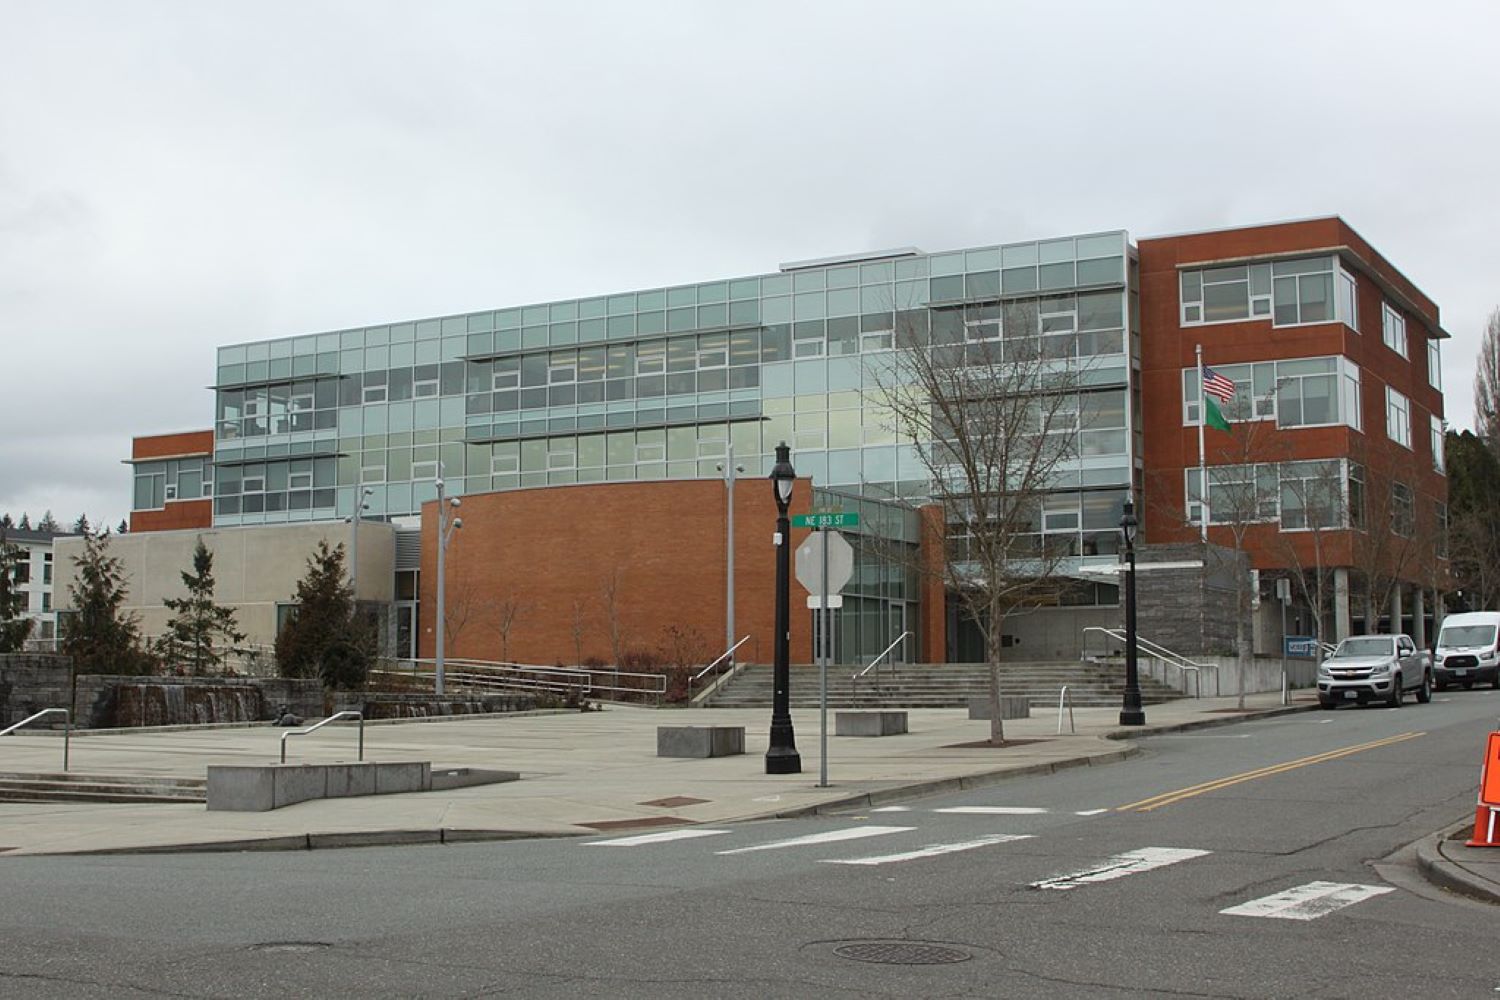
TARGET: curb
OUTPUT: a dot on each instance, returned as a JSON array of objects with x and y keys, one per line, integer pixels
[
  {"x": 319, "y": 841},
  {"x": 1228, "y": 719},
  {"x": 1451, "y": 875}
]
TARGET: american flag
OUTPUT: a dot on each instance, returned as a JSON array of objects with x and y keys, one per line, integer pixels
[{"x": 1217, "y": 385}]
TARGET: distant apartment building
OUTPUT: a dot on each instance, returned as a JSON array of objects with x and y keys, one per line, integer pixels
[
  {"x": 1332, "y": 353},
  {"x": 33, "y": 576}
]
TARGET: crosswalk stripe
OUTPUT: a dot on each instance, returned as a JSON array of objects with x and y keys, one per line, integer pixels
[
  {"x": 931, "y": 850},
  {"x": 827, "y": 837},
  {"x": 656, "y": 838},
  {"x": 992, "y": 811},
  {"x": 1308, "y": 902},
  {"x": 1121, "y": 865},
  {"x": 1090, "y": 812},
  {"x": 892, "y": 809}
]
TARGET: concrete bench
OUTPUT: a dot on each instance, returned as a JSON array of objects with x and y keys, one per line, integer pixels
[
  {"x": 699, "y": 741},
  {"x": 259, "y": 788},
  {"x": 1012, "y": 706},
  {"x": 869, "y": 723}
]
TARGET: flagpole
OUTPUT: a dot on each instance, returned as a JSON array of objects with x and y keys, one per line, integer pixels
[{"x": 1202, "y": 468}]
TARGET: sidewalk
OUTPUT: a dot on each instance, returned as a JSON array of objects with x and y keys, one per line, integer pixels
[
  {"x": 581, "y": 773},
  {"x": 1471, "y": 871}
]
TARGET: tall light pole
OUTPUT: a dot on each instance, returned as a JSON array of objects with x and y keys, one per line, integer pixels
[
  {"x": 729, "y": 469},
  {"x": 782, "y": 756},
  {"x": 445, "y": 530},
  {"x": 1131, "y": 713},
  {"x": 362, "y": 505}
]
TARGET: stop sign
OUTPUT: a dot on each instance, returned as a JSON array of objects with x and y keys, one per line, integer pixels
[{"x": 810, "y": 562}]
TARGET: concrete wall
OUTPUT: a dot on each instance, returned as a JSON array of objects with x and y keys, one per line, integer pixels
[
  {"x": 1055, "y": 633},
  {"x": 255, "y": 568}
]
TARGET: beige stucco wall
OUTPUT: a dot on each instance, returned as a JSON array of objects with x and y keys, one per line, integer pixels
[{"x": 255, "y": 568}]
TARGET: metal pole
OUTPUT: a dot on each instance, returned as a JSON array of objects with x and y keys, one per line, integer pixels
[
  {"x": 1285, "y": 696},
  {"x": 729, "y": 559},
  {"x": 782, "y": 756},
  {"x": 354, "y": 551},
  {"x": 442, "y": 546},
  {"x": 823, "y": 669},
  {"x": 1202, "y": 466},
  {"x": 1131, "y": 714}
]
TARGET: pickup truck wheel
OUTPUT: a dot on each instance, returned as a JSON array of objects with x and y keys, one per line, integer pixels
[
  {"x": 1394, "y": 698},
  {"x": 1441, "y": 686},
  {"x": 1424, "y": 693}
]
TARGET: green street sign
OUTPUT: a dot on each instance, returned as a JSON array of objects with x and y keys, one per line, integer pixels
[{"x": 827, "y": 519}]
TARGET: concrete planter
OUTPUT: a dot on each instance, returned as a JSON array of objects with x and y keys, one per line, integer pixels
[{"x": 1011, "y": 707}]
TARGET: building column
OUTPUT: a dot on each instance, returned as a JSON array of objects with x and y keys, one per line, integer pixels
[
  {"x": 1341, "y": 627},
  {"x": 1419, "y": 616},
  {"x": 1437, "y": 615},
  {"x": 1396, "y": 609}
]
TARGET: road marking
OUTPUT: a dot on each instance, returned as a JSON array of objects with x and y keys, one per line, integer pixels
[
  {"x": 931, "y": 850},
  {"x": 828, "y": 837},
  {"x": 991, "y": 811},
  {"x": 656, "y": 838},
  {"x": 1308, "y": 902},
  {"x": 1121, "y": 865},
  {"x": 1090, "y": 812},
  {"x": 1168, "y": 798},
  {"x": 892, "y": 809}
]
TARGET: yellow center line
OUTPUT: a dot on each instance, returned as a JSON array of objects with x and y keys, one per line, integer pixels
[{"x": 1167, "y": 798}]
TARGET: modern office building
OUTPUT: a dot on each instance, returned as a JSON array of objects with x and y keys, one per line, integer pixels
[{"x": 675, "y": 383}]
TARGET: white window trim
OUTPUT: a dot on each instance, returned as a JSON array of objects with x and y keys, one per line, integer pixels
[
  {"x": 501, "y": 465},
  {"x": 500, "y": 381},
  {"x": 169, "y": 491},
  {"x": 1437, "y": 438},
  {"x": 1391, "y": 409},
  {"x": 299, "y": 480},
  {"x": 1393, "y": 328},
  {"x": 562, "y": 374},
  {"x": 301, "y": 403},
  {"x": 372, "y": 474},
  {"x": 558, "y": 461},
  {"x": 365, "y": 394},
  {"x": 424, "y": 388},
  {"x": 1435, "y": 363},
  {"x": 259, "y": 487},
  {"x": 713, "y": 358},
  {"x": 422, "y": 471}
]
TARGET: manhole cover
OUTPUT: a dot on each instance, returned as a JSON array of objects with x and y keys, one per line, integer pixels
[
  {"x": 291, "y": 946},
  {"x": 901, "y": 953}
]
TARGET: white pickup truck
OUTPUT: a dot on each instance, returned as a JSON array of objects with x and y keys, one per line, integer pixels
[{"x": 1368, "y": 667}]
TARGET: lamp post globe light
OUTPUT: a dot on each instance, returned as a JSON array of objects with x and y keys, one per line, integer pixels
[
  {"x": 782, "y": 756},
  {"x": 445, "y": 530},
  {"x": 1131, "y": 713},
  {"x": 362, "y": 505}
]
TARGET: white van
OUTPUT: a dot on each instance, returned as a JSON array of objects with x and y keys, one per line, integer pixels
[{"x": 1467, "y": 652}]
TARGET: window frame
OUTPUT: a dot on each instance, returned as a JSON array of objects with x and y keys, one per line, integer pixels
[
  {"x": 1393, "y": 329},
  {"x": 1404, "y": 410}
]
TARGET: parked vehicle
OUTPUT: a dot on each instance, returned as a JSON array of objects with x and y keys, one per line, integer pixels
[
  {"x": 1467, "y": 653},
  {"x": 1368, "y": 667}
]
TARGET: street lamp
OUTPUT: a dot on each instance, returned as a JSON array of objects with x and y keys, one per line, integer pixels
[
  {"x": 729, "y": 469},
  {"x": 359, "y": 513},
  {"x": 1131, "y": 714},
  {"x": 782, "y": 756},
  {"x": 445, "y": 530}
]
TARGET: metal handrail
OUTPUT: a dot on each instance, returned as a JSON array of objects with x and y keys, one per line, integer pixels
[
  {"x": 1063, "y": 699},
  {"x": 854, "y": 677},
  {"x": 350, "y": 714},
  {"x": 1159, "y": 652},
  {"x": 717, "y": 660},
  {"x": 67, "y": 728}
]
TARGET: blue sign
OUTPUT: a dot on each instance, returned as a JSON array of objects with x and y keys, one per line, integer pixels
[{"x": 1300, "y": 647}]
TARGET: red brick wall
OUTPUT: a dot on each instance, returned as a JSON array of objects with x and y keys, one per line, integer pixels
[
  {"x": 552, "y": 546},
  {"x": 1167, "y": 348},
  {"x": 172, "y": 445},
  {"x": 177, "y": 514}
]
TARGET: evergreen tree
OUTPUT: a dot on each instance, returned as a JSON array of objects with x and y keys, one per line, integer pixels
[
  {"x": 197, "y": 623},
  {"x": 5, "y": 521},
  {"x": 323, "y": 639},
  {"x": 123, "y": 528},
  {"x": 14, "y": 625},
  {"x": 98, "y": 635},
  {"x": 25, "y": 524},
  {"x": 82, "y": 526},
  {"x": 48, "y": 523}
]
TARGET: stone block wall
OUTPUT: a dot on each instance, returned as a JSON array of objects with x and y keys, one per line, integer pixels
[
  {"x": 1189, "y": 611},
  {"x": 30, "y": 682}
]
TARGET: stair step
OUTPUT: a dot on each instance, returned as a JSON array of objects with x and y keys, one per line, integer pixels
[{"x": 74, "y": 795}]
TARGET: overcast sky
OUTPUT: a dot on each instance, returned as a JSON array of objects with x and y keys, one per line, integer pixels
[{"x": 177, "y": 176}]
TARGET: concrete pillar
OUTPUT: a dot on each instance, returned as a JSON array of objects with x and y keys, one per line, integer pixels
[
  {"x": 1419, "y": 616},
  {"x": 1341, "y": 625},
  {"x": 1396, "y": 609},
  {"x": 1437, "y": 615}
]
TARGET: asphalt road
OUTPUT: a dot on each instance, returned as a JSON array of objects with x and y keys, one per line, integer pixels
[{"x": 1255, "y": 860}]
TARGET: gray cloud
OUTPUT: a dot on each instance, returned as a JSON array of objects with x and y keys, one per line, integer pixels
[{"x": 179, "y": 176}]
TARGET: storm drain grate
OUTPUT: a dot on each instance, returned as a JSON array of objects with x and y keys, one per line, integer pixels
[{"x": 901, "y": 953}]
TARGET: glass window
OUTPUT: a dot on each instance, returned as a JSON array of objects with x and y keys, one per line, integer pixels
[
  {"x": 1397, "y": 417},
  {"x": 1403, "y": 511},
  {"x": 1436, "y": 439},
  {"x": 1393, "y": 329},
  {"x": 1434, "y": 364}
]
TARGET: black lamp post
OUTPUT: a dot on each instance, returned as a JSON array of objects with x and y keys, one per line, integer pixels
[
  {"x": 1131, "y": 714},
  {"x": 782, "y": 756}
]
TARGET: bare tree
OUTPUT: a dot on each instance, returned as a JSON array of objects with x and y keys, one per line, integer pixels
[
  {"x": 502, "y": 615},
  {"x": 578, "y": 625},
  {"x": 992, "y": 411},
  {"x": 1384, "y": 551},
  {"x": 460, "y": 603},
  {"x": 1487, "y": 384},
  {"x": 610, "y": 594},
  {"x": 1318, "y": 505}
]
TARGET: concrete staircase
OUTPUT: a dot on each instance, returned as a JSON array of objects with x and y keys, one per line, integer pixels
[
  {"x": 74, "y": 787},
  {"x": 949, "y": 685}
]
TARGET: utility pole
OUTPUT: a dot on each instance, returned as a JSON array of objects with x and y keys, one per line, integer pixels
[{"x": 445, "y": 530}]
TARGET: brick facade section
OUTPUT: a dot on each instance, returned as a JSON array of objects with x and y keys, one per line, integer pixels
[
  {"x": 178, "y": 445},
  {"x": 932, "y": 644},
  {"x": 1167, "y": 347},
  {"x": 666, "y": 540},
  {"x": 176, "y": 515}
]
